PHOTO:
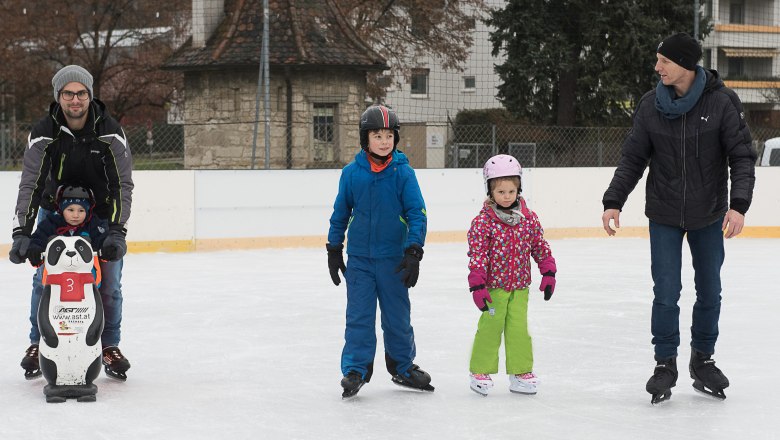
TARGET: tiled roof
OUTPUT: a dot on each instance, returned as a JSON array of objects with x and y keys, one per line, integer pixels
[{"x": 301, "y": 33}]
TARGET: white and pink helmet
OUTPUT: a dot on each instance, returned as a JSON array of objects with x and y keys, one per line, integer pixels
[{"x": 502, "y": 165}]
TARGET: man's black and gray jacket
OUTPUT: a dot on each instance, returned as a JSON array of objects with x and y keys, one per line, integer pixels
[
  {"x": 689, "y": 159},
  {"x": 97, "y": 157}
]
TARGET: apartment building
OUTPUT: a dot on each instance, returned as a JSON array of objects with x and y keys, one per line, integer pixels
[{"x": 744, "y": 46}]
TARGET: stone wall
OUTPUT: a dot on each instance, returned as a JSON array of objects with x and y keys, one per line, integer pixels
[{"x": 220, "y": 115}]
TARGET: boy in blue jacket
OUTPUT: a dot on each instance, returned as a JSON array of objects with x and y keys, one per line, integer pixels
[{"x": 380, "y": 204}]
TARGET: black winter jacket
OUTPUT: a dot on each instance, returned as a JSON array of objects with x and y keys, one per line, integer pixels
[
  {"x": 689, "y": 159},
  {"x": 99, "y": 158}
]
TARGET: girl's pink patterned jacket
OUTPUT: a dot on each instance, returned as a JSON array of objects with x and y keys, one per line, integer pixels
[{"x": 502, "y": 253}]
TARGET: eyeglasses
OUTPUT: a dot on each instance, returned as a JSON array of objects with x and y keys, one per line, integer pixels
[{"x": 68, "y": 95}]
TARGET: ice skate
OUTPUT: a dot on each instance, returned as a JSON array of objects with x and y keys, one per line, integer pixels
[
  {"x": 116, "y": 365},
  {"x": 707, "y": 378},
  {"x": 30, "y": 363},
  {"x": 663, "y": 379},
  {"x": 526, "y": 383},
  {"x": 351, "y": 383},
  {"x": 414, "y": 378},
  {"x": 481, "y": 383}
]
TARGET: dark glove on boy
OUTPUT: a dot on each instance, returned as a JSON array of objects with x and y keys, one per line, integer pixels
[
  {"x": 335, "y": 261},
  {"x": 548, "y": 270},
  {"x": 35, "y": 255},
  {"x": 410, "y": 265},
  {"x": 114, "y": 246},
  {"x": 19, "y": 248}
]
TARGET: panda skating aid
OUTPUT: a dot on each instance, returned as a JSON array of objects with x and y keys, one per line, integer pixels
[{"x": 70, "y": 318}]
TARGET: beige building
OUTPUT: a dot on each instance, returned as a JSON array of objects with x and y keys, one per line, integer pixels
[{"x": 317, "y": 78}]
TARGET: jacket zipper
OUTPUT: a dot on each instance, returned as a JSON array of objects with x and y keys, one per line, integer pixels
[{"x": 684, "y": 177}]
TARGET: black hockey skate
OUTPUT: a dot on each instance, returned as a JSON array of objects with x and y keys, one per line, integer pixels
[
  {"x": 663, "y": 380},
  {"x": 707, "y": 378},
  {"x": 351, "y": 383},
  {"x": 116, "y": 364},
  {"x": 414, "y": 379},
  {"x": 30, "y": 363}
]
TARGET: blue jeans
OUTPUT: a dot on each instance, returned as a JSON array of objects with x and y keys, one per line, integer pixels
[
  {"x": 110, "y": 292},
  {"x": 707, "y": 252}
]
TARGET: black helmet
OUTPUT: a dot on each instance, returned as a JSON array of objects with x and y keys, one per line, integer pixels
[
  {"x": 73, "y": 192},
  {"x": 376, "y": 117}
]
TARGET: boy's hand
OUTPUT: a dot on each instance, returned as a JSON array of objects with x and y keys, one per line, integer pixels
[
  {"x": 35, "y": 255},
  {"x": 410, "y": 265},
  {"x": 335, "y": 261}
]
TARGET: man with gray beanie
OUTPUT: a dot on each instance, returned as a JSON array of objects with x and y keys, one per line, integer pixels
[
  {"x": 690, "y": 130},
  {"x": 77, "y": 143}
]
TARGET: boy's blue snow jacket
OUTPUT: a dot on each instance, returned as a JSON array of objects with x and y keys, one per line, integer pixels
[{"x": 384, "y": 211}]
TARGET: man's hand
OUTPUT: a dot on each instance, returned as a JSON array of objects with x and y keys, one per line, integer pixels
[
  {"x": 114, "y": 246},
  {"x": 610, "y": 214},
  {"x": 733, "y": 223},
  {"x": 19, "y": 249}
]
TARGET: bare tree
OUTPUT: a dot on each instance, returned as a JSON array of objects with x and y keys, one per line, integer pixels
[
  {"x": 120, "y": 42},
  {"x": 406, "y": 32}
]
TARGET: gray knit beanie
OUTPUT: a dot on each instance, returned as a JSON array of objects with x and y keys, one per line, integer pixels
[{"x": 71, "y": 73}]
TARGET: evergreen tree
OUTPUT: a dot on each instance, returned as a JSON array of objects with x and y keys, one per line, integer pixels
[{"x": 582, "y": 62}]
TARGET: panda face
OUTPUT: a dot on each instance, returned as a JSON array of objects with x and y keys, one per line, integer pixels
[{"x": 69, "y": 254}]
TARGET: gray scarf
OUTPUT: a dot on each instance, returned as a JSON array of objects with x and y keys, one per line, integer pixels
[{"x": 510, "y": 218}]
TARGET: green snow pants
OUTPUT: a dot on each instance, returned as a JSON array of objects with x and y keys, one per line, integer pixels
[{"x": 510, "y": 317}]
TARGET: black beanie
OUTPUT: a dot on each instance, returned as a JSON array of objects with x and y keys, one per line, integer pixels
[{"x": 682, "y": 49}]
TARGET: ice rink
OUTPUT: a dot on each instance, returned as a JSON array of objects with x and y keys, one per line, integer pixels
[{"x": 246, "y": 345}]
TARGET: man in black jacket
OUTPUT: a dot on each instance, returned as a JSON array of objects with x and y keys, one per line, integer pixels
[
  {"x": 691, "y": 132},
  {"x": 77, "y": 143}
]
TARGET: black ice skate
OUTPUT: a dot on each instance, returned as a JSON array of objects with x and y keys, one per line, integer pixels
[
  {"x": 30, "y": 363},
  {"x": 351, "y": 383},
  {"x": 664, "y": 378},
  {"x": 707, "y": 378},
  {"x": 116, "y": 365},
  {"x": 414, "y": 379}
]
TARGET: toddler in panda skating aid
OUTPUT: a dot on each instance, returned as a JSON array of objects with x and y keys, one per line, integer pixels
[
  {"x": 502, "y": 240},
  {"x": 74, "y": 218}
]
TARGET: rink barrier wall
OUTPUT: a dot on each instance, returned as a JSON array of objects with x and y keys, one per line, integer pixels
[{"x": 194, "y": 210}]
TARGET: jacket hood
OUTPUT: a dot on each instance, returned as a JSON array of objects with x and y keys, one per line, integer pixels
[{"x": 713, "y": 81}]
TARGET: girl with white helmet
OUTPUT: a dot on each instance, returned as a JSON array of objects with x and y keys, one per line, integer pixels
[{"x": 502, "y": 240}]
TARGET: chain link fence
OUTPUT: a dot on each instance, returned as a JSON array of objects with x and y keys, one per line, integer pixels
[{"x": 162, "y": 146}]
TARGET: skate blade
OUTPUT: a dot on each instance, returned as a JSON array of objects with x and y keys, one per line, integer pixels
[
  {"x": 32, "y": 374},
  {"x": 701, "y": 389},
  {"x": 427, "y": 389},
  {"x": 121, "y": 377},
  {"x": 527, "y": 393},
  {"x": 660, "y": 397},
  {"x": 482, "y": 393},
  {"x": 349, "y": 395}
]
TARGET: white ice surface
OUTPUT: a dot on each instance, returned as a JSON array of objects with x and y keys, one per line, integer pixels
[{"x": 246, "y": 345}]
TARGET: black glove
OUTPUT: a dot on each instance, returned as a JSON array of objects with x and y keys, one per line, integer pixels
[
  {"x": 35, "y": 255},
  {"x": 20, "y": 248},
  {"x": 410, "y": 265},
  {"x": 114, "y": 246},
  {"x": 335, "y": 261}
]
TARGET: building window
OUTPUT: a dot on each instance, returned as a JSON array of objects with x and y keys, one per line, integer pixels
[
  {"x": 419, "y": 85},
  {"x": 737, "y": 13},
  {"x": 324, "y": 132},
  {"x": 469, "y": 83},
  {"x": 736, "y": 68}
]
